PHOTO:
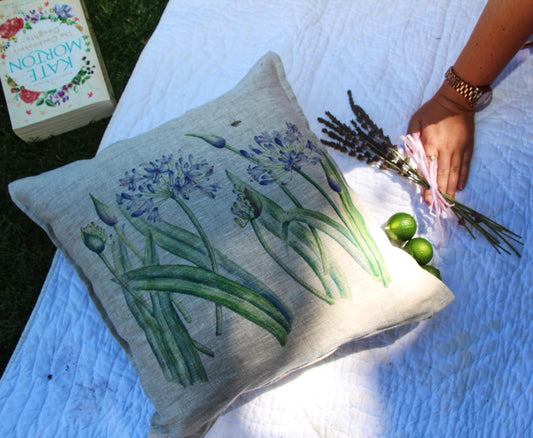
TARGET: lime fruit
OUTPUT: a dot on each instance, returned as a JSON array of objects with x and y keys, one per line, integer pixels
[
  {"x": 401, "y": 227},
  {"x": 421, "y": 250},
  {"x": 432, "y": 270}
]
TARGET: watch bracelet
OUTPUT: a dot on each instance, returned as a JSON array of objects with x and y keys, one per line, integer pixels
[{"x": 469, "y": 92}]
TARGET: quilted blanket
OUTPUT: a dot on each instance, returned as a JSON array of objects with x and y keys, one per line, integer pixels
[{"x": 465, "y": 372}]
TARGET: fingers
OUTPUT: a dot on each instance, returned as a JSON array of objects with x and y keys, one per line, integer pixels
[
  {"x": 448, "y": 172},
  {"x": 443, "y": 172},
  {"x": 452, "y": 170},
  {"x": 465, "y": 170},
  {"x": 453, "y": 165},
  {"x": 454, "y": 173}
]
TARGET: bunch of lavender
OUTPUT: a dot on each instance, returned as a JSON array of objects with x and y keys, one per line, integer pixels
[{"x": 363, "y": 140}]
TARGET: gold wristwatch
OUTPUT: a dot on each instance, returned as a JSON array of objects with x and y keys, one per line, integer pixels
[{"x": 477, "y": 97}]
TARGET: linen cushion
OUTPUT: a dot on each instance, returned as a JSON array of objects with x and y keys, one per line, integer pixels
[{"x": 224, "y": 250}]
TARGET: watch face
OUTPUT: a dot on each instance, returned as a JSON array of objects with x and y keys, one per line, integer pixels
[{"x": 484, "y": 99}]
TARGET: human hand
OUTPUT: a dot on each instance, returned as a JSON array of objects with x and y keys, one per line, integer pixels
[{"x": 446, "y": 129}]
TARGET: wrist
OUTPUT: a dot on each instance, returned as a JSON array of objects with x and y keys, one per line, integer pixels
[{"x": 452, "y": 100}]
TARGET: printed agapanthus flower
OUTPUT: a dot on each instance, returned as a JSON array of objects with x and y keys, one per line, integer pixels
[
  {"x": 277, "y": 154},
  {"x": 246, "y": 208},
  {"x": 105, "y": 214},
  {"x": 153, "y": 183},
  {"x": 94, "y": 237}
]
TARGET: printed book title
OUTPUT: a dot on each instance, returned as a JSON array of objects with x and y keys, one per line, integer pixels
[{"x": 46, "y": 58}]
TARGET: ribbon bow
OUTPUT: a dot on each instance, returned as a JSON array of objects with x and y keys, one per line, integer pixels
[{"x": 439, "y": 206}]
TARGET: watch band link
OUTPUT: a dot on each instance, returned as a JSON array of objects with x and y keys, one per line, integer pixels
[{"x": 469, "y": 92}]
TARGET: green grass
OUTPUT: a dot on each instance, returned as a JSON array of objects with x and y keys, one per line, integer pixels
[{"x": 122, "y": 29}]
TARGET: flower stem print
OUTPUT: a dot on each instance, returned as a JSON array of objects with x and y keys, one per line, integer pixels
[
  {"x": 208, "y": 285},
  {"x": 175, "y": 262},
  {"x": 173, "y": 348},
  {"x": 357, "y": 221},
  {"x": 210, "y": 251},
  {"x": 188, "y": 246},
  {"x": 281, "y": 154},
  {"x": 152, "y": 290},
  {"x": 107, "y": 216},
  {"x": 220, "y": 143},
  {"x": 247, "y": 208},
  {"x": 168, "y": 179},
  {"x": 300, "y": 239},
  {"x": 277, "y": 157}
]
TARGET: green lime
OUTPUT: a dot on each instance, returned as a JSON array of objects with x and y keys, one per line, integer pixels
[
  {"x": 421, "y": 249},
  {"x": 432, "y": 270},
  {"x": 401, "y": 227}
]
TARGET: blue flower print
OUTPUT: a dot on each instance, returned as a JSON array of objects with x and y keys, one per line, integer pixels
[
  {"x": 277, "y": 154},
  {"x": 157, "y": 181}
]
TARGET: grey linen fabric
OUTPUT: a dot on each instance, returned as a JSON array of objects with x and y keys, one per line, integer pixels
[{"x": 225, "y": 251}]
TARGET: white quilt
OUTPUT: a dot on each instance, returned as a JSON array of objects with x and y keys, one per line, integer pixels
[{"x": 465, "y": 372}]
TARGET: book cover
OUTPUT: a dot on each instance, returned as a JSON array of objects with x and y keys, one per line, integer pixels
[{"x": 51, "y": 72}]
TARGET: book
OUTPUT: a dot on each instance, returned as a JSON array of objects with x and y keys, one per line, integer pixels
[{"x": 51, "y": 70}]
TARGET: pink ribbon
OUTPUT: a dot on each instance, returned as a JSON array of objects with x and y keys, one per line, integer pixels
[{"x": 439, "y": 207}]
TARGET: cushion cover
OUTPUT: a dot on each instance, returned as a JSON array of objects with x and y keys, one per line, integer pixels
[{"x": 224, "y": 250}]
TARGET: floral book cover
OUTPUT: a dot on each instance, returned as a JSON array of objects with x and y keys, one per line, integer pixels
[{"x": 51, "y": 72}]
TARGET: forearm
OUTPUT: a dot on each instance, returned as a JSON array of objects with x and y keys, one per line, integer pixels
[
  {"x": 503, "y": 27},
  {"x": 446, "y": 121}
]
